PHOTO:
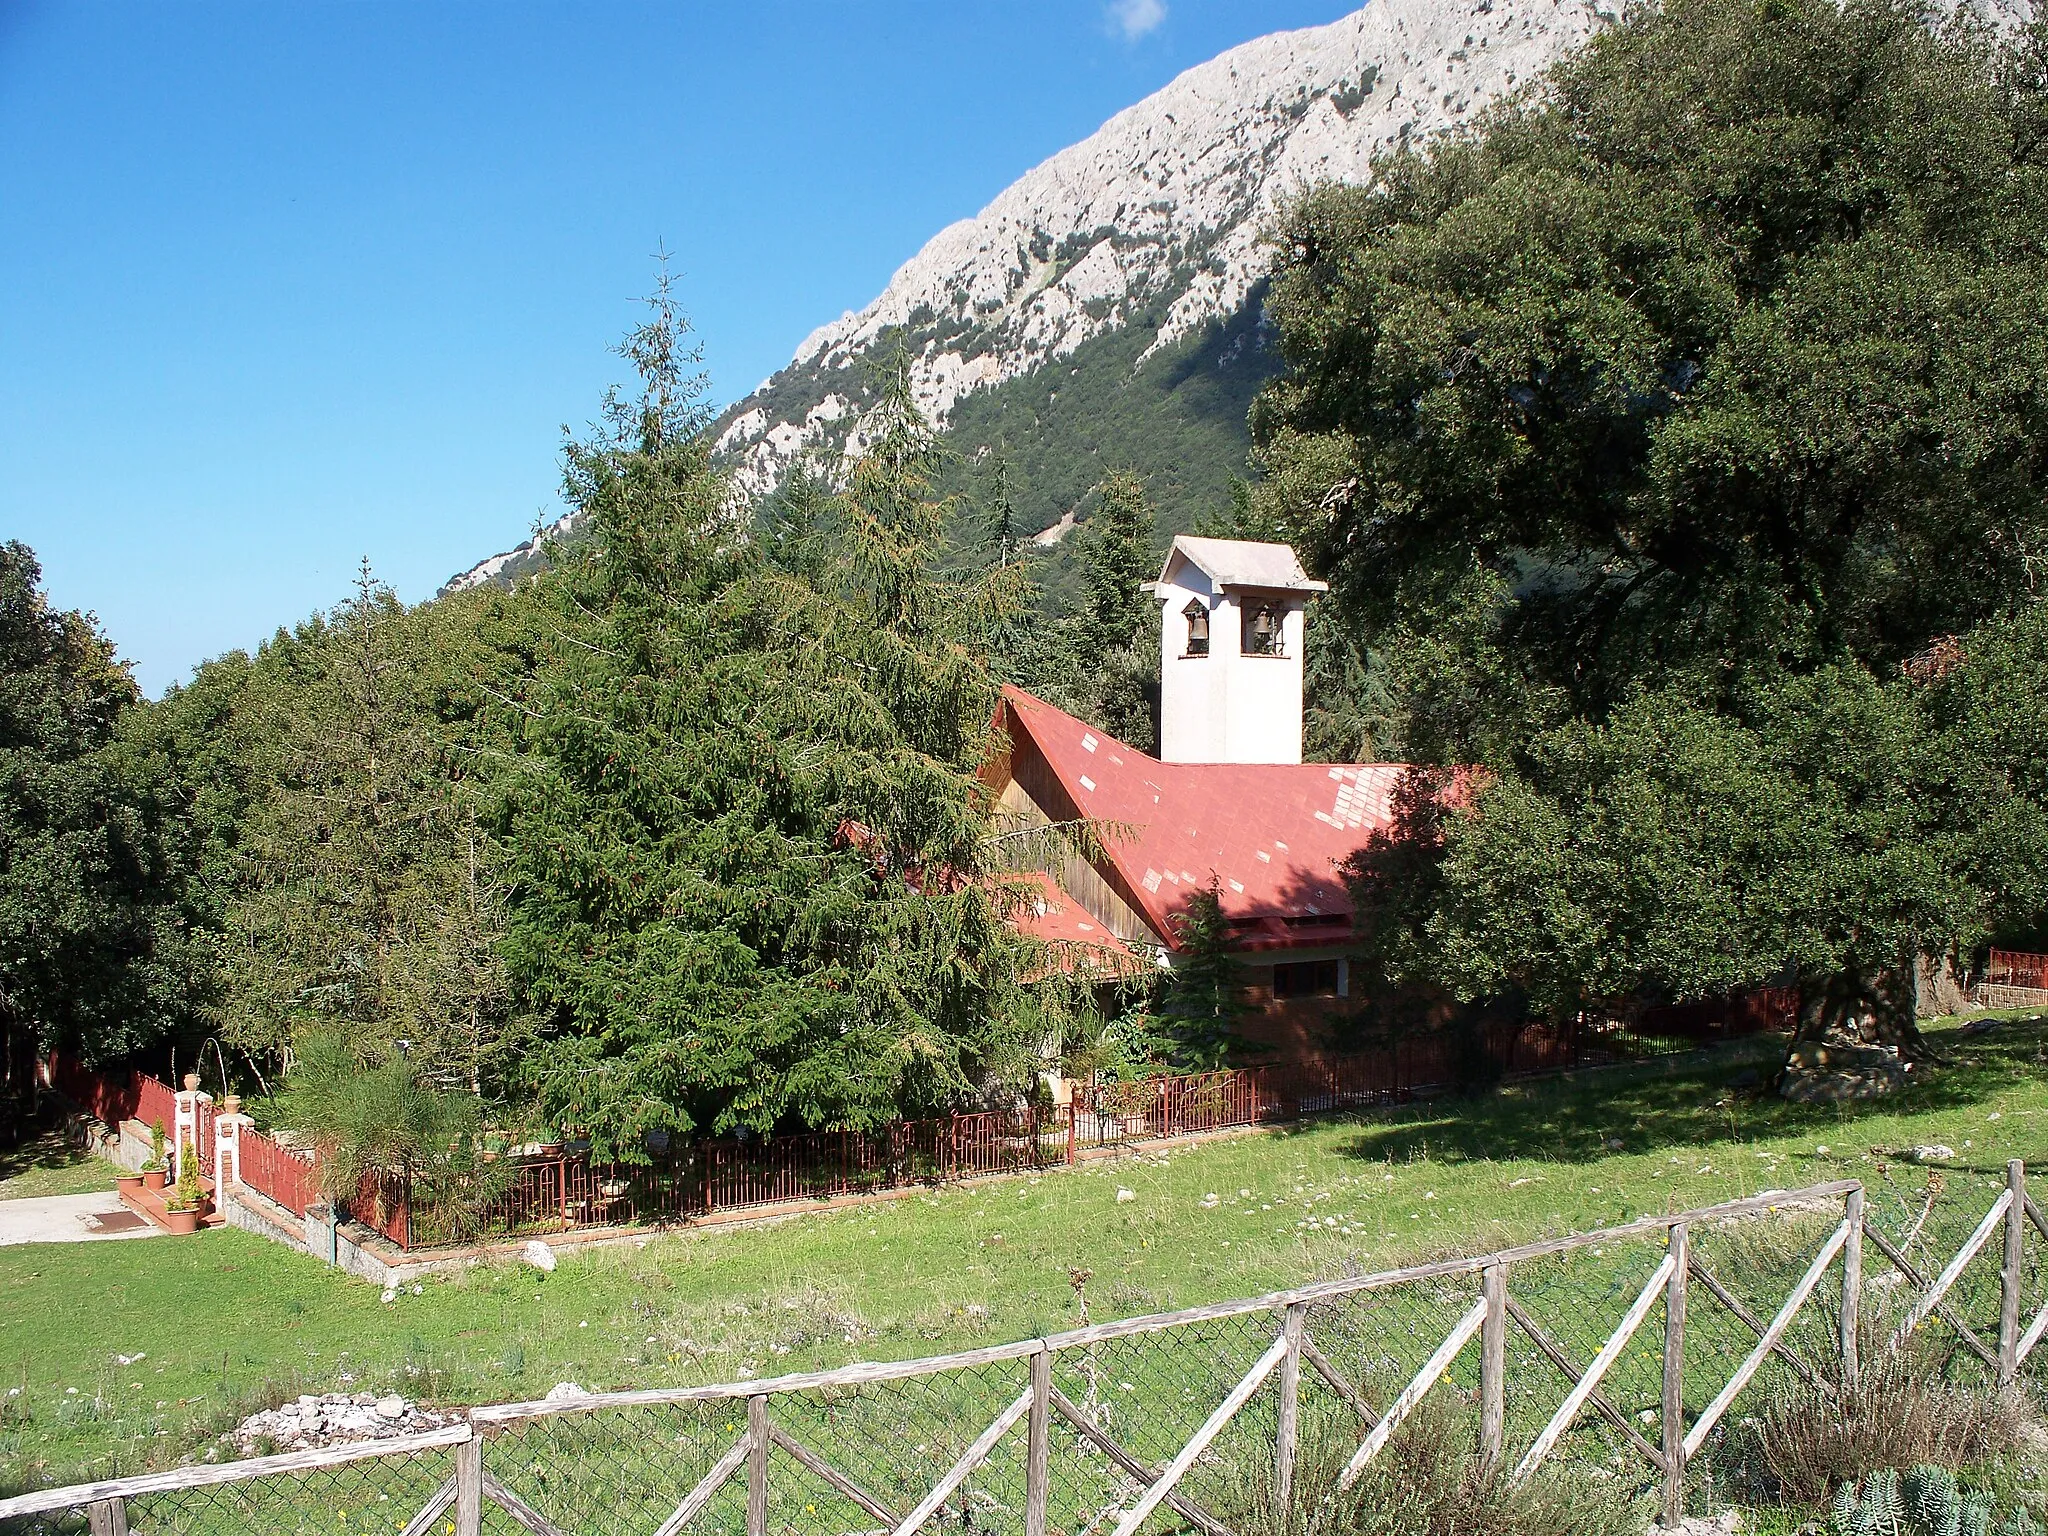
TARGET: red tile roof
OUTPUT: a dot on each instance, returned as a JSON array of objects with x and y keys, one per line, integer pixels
[
  {"x": 1272, "y": 834},
  {"x": 1054, "y": 916}
]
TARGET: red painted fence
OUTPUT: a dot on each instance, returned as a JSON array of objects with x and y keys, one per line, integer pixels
[
  {"x": 287, "y": 1177},
  {"x": 564, "y": 1190},
  {"x": 111, "y": 1100},
  {"x": 290, "y": 1178},
  {"x": 2013, "y": 968}
]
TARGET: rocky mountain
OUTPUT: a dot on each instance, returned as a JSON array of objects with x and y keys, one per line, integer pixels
[
  {"x": 1103, "y": 309},
  {"x": 1155, "y": 220}
]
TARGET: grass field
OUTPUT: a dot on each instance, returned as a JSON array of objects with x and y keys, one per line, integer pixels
[
  {"x": 46, "y": 1165},
  {"x": 215, "y": 1324}
]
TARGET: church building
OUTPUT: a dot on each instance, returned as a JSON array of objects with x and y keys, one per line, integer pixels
[{"x": 1228, "y": 799}]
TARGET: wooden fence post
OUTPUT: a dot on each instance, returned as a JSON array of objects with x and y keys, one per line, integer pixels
[
  {"x": 469, "y": 1485},
  {"x": 757, "y": 1465},
  {"x": 1038, "y": 1446},
  {"x": 2012, "y": 1274},
  {"x": 109, "y": 1517},
  {"x": 1493, "y": 1360},
  {"x": 1852, "y": 1287},
  {"x": 1289, "y": 1436},
  {"x": 1673, "y": 1413}
]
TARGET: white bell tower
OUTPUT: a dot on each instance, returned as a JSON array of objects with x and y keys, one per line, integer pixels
[{"x": 1231, "y": 629}]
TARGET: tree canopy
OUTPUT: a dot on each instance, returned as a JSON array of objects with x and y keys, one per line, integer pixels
[
  {"x": 1724, "y": 351},
  {"x": 96, "y": 943},
  {"x": 756, "y": 880},
  {"x": 1654, "y": 435}
]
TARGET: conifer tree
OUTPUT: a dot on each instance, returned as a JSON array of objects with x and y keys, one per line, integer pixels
[
  {"x": 759, "y": 885},
  {"x": 1116, "y": 641},
  {"x": 1002, "y": 515},
  {"x": 363, "y": 888},
  {"x": 1204, "y": 995}
]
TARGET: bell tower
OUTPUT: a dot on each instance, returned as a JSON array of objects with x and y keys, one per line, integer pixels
[{"x": 1231, "y": 628}]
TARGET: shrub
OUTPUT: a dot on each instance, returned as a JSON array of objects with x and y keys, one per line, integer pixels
[
  {"x": 186, "y": 1197},
  {"x": 1429, "y": 1481},
  {"x": 1899, "y": 1414},
  {"x": 373, "y": 1118}
]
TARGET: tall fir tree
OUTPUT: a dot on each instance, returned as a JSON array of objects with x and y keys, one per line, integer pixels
[
  {"x": 758, "y": 881},
  {"x": 1114, "y": 641},
  {"x": 1203, "y": 1002}
]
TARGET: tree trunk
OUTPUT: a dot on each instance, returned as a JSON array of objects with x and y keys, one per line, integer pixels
[{"x": 1865, "y": 1006}]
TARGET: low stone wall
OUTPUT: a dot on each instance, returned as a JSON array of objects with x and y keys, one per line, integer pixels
[
  {"x": 127, "y": 1147},
  {"x": 2013, "y": 997}
]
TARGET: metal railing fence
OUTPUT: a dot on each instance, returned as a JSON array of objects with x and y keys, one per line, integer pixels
[{"x": 563, "y": 1189}]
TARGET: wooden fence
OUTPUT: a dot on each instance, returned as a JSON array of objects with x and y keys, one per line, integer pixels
[{"x": 1629, "y": 1347}]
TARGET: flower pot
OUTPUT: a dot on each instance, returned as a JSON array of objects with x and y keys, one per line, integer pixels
[
  {"x": 191, "y": 1082},
  {"x": 154, "y": 1179},
  {"x": 128, "y": 1184},
  {"x": 232, "y": 1104},
  {"x": 182, "y": 1221}
]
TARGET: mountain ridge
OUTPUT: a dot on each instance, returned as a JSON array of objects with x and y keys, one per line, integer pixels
[{"x": 1153, "y": 220}]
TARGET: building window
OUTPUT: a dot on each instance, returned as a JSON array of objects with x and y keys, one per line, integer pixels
[
  {"x": 1198, "y": 627},
  {"x": 1264, "y": 631},
  {"x": 1306, "y": 978}
]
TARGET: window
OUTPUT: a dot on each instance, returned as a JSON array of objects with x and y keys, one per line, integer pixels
[
  {"x": 1264, "y": 628},
  {"x": 1198, "y": 627},
  {"x": 1305, "y": 978}
]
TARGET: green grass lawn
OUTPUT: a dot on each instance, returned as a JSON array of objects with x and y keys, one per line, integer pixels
[
  {"x": 224, "y": 1319},
  {"x": 46, "y": 1164}
]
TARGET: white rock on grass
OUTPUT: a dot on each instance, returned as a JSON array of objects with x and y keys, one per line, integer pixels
[
  {"x": 335, "y": 1418},
  {"x": 539, "y": 1255}
]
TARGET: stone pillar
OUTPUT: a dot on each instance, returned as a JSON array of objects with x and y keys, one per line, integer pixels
[
  {"x": 185, "y": 1124},
  {"x": 227, "y": 1144}
]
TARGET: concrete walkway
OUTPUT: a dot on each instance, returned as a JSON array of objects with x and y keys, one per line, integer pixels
[{"x": 70, "y": 1219}]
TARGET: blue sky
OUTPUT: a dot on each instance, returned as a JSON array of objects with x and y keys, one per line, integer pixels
[{"x": 285, "y": 286}]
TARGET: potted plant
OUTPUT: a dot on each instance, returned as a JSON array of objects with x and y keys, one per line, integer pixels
[
  {"x": 128, "y": 1185},
  {"x": 186, "y": 1203},
  {"x": 153, "y": 1171}
]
